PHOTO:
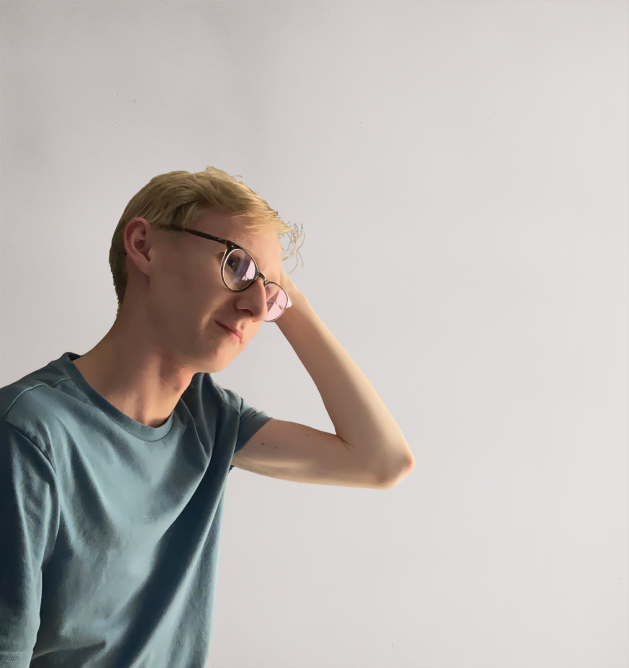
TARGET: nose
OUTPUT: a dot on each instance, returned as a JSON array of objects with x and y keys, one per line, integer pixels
[{"x": 253, "y": 299}]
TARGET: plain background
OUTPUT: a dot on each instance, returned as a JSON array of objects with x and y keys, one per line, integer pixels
[{"x": 460, "y": 170}]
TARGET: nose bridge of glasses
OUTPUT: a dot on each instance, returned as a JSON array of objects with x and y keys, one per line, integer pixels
[
  {"x": 265, "y": 281},
  {"x": 259, "y": 274}
]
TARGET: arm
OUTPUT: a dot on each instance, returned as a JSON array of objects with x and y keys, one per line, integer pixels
[
  {"x": 359, "y": 416},
  {"x": 28, "y": 525}
]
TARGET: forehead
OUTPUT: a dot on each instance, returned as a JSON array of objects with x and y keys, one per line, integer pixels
[{"x": 264, "y": 246}]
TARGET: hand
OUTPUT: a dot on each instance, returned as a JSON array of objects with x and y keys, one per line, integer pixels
[{"x": 288, "y": 285}]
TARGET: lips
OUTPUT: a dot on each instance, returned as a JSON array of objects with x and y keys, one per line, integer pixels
[{"x": 238, "y": 334}]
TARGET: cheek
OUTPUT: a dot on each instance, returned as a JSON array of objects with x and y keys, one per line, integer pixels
[
  {"x": 202, "y": 288},
  {"x": 175, "y": 284}
]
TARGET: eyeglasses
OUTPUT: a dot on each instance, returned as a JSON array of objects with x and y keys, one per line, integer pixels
[{"x": 239, "y": 271}]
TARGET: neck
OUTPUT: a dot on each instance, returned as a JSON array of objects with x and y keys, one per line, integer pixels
[{"x": 141, "y": 381}]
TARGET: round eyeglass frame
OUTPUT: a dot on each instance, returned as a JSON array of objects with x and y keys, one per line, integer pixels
[{"x": 231, "y": 246}]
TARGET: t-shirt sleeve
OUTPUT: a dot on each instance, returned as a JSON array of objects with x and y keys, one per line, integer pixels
[
  {"x": 251, "y": 419},
  {"x": 29, "y": 520}
]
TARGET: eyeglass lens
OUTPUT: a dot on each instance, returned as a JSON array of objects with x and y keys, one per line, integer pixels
[{"x": 240, "y": 270}]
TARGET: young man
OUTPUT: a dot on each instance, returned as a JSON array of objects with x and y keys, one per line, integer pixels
[{"x": 113, "y": 464}]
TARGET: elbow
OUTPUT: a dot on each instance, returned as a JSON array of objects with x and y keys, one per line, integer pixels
[{"x": 396, "y": 476}]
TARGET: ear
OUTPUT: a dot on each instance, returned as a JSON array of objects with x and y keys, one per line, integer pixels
[{"x": 140, "y": 238}]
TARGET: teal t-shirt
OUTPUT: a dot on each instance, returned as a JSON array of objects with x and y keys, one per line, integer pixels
[{"x": 109, "y": 529}]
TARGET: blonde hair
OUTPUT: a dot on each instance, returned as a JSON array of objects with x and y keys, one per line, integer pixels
[{"x": 180, "y": 198}]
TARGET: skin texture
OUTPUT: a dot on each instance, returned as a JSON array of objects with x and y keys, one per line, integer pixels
[{"x": 166, "y": 331}]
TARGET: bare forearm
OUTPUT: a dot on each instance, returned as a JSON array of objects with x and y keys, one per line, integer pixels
[{"x": 359, "y": 416}]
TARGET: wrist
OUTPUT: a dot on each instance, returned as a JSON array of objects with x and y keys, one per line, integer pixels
[{"x": 298, "y": 304}]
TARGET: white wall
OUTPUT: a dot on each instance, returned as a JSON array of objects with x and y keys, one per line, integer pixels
[{"x": 481, "y": 150}]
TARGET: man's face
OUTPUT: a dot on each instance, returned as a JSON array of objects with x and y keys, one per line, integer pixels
[{"x": 184, "y": 294}]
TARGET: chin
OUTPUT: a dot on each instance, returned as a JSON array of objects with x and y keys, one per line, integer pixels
[{"x": 214, "y": 363}]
